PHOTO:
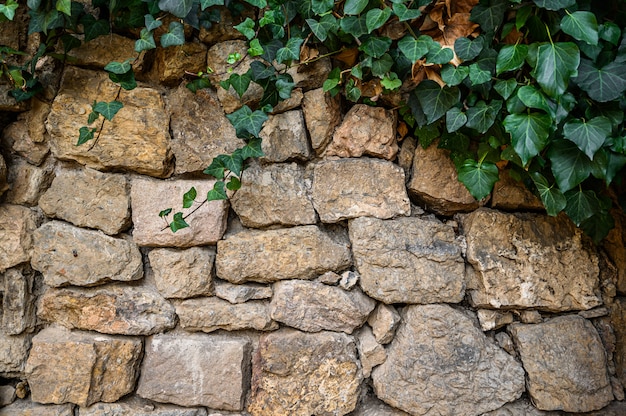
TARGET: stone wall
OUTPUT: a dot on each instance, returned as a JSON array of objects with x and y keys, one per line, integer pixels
[{"x": 351, "y": 275}]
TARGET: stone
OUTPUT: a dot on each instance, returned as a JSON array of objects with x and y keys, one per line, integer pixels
[
  {"x": 365, "y": 130},
  {"x": 200, "y": 130},
  {"x": 322, "y": 114},
  {"x": 520, "y": 407},
  {"x": 135, "y": 406},
  {"x": 210, "y": 314},
  {"x": 99, "y": 52},
  {"x": 311, "y": 75},
  {"x": 440, "y": 363},
  {"x": 615, "y": 246},
  {"x": 302, "y": 252},
  {"x": 314, "y": 306},
  {"x": 408, "y": 260},
  {"x": 371, "y": 353},
  {"x": 13, "y": 354},
  {"x": 511, "y": 195},
  {"x": 183, "y": 273},
  {"x": 16, "y": 137},
  {"x": 196, "y": 370},
  {"x": 98, "y": 200},
  {"x": 291, "y": 103},
  {"x": 68, "y": 255},
  {"x": 225, "y": 30},
  {"x": 18, "y": 299},
  {"x": 406, "y": 154},
  {"x": 506, "y": 343},
  {"x": 329, "y": 278},
  {"x": 530, "y": 317},
  {"x": 111, "y": 310},
  {"x": 295, "y": 373},
  {"x": 28, "y": 182},
  {"x": 36, "y": 119},
  {"x": 136, "y": 140},
  {"x": 17, "y": 224},
  {"x": 3, "y": 175},
  {"x": 371, "y": 406},
  {"x": 618, "y": 321},
  {"x": 284, "y": 138},
  {"x": 529, "y": 261},
  {"x": 7, "y": 396},
  {"x": 242, "y": 293},
  {"x": 29, "y": 408},
  {"x": 349, "y": 279},
  {"x": 7, "y": 102},
  {"x": 617, "y": 408},
  {"x": 434, "y": 182},
  {"x": 149, "y": 197},
  {"x": 384, "y": 321},
  {"x": 276, "y": 194},
  {"x": 490, "y": 319},
  {"x": 171, "y": 64},
  {"x": 350, "y": 188},
  {"x": 565, "y": 364},
  {"x": 80, "y": 367}
]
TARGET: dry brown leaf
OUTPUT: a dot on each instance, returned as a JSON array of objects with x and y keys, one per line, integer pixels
[
  {"x": 402, "y": 130},
  {"x": 307, "y": 53},
  {"x": 432, "y": 74},
  {"x": 348, "y": 56},
  {"x": 460, "y": 6}
]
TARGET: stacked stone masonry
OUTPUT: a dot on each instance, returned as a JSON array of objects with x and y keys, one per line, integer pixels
[{"x": 352, "y": 274}]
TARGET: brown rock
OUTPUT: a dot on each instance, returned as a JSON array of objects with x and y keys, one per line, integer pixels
[
  {"x": 7, "y": 102},
  {"x": 28, "y": 182},
  {"x": 365, "y": 130},
  {"x": 81, "y": 368},
  {"x": 274, "y": 194},
  {"x": 16, "y": 137},
  {"x": 509, "y": 194},
  {"x": 196, "y": 370},
  {"x": 434, "y": 182},
  {"x": 371, "y": 353},
  {"x": 135, "y": 406},
  {"x": 3, "y": 176},
  {"x": 17, "y": 224},
  {"x": 110, "y": 310},
  {"x": 98, "y": 200},
  {"x": 615, "y": 246},
  {"x": 225, "y": 29},
  {"x": 565, "y": 364},
  {"x": 440, "y": 363},
  {"x": 529, "y": 261},
  {"x": 371, "y": 406},
  {"x": 13, "y": 354},
  {"x": 406, "y": 154},
  {"x": 171, "y": 64},
  {"x": 70, "y": 255},
  {"x": 284, "y": 138},
  {"x": 29, "y": 408},
  {"x": 293, "y": 253},
  {"x": 99, "y": 52},
  {"x": 490, "y": 319},
  {"x": 350, "y": 188},
  {"x": 322, "y": 114},
  {"x": 149, "y": 197},
  {"x": 294, "y": 101},
  {"x": 310, "y": 76},
  {"x": 18, "y": 297},
  {"x": 314, "y": 306},
  {"x": 183, "y": 273},
  {"x": 618, "y": 321},
  {"x": 408, "y": 260},
  {"x": 296, "y": 373},
  {"x": 242, "y": 293},
  {"x": 7, "y": 396},
  {"x": 522, "y": 407},
  {"x": 211, "y": 314},
  {"x": 530, "y": 317},
  {"x": 384, "y": 322}
]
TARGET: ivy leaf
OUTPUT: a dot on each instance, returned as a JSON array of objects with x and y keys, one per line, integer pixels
[
  {"x": 490, "y": 16},
  {"x": 355, "y": 26},
  {"x": 108, "y": 109},
  {"x": 164, "y": 213},
  {"x": 178, "y": 222},
  {"x": 118, "y": 67},
  {"x": 334, "y": 78},
  {"x": 189, "y": 197},
  {"x": 375, "y": 18},
  {"x": 504, "y": 88},
  {"x": 438, "y": 55},
  {"x": 217, "y": 193},
  {"x": 151, "y": 23},
  {"x": 598, "y": 226},
  {"x": 247, "y": 123},
  {"x": 175, "y": 35},
  {"x": 93, "y": 28},
  {"x": 534, "y": 98},
  {"x": 216, "y": 169},
  {"x": 320, "y": 7},
  {"x": 381, "y": 66},
  {"x": 391, "y": 81},
  {"x": 85, "y": 134},
  {"x": 482, "y": 115},
  {"x": 478, "y": 75},
  {"x": 239, "y": 83},
  {"x": 93, "y": 116},
  {"x": 556, "y": 64},
  {"x": 551, "y": 197},
  {"x": 581, "y": 26},
  {"x": 233, "y": 162},
  {"x": 179, "y": 8},
  {"x": 554, "y": 4},
  {"x": 375, "y": 46},
  {"x": 284, "y": 85},
  {"x": 8, "y": 9},
  {"x": 64, "y": 6},
  {"x": 569, "y": 166},
  {"x": 198, "y": 84},
  {"x": 318, "y": 29},
  {"x": 145, "y": 41},
  {"x": 412, "y": 48},
  {"x": 126, "y": 80},
  {"x": 353, "y": 92},
  {"x": 354, "y": 7},
  {"x": 606, "y": 84},
  {"x": 246, "y": 28},
  {"x": 455, "y": 119},
  {"x": 511, "y": 58},
  {"x": 467, "y": 49},
  {"x": 590, "y": 135},
  {"x": 529, "y": 133},
  {"x": 610, "y": 32},
  {"x": 260, "y": 71},
  {"x": 454, "y": 75},
  {"x": 478, "y": 177},
  {"x": 404, "y": 13},
  {"x": 434, "y": 100},
  {"x": 255, "y": 48},
  {"x": 581, "y": 205},
  {"x": 291, "y": 51},
  {"x": 252, "y": 149},
  {"x": 233, "y": 184}
]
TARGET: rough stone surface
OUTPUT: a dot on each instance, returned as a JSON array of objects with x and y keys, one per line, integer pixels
[
  {"x": 371, "y": 353},
  {"x": 440, "y": 363},
  {"x": 293, "y": 253},
  {"x": 137, "y": 141},
  {"x": 242, "y": 293},
  {"x": 408, "y": 260},
  {"x": 350, "y": 188},
  {"x": 170, "y": 64},
  {"x": 135, "y": 406},
  {"x": 521, "y": 407},
  {"x": 314, "y": 306},
  {"x": 99, "y": 52},
  {"x": 149, "y": 197},
  {"x": 371, "y": 406},
  {"x": 365, "y": 130},
  {"x": 3, "y": 175},
  {"x": 88, "y": 198},
  {"x": 65, "y": 254},
  {"x": 211, "y": 314},
  {"x": 274, "y": 194},
  {"x": 225, "y": 30},
  {"x": 13, "y": 354},
  {"x": 295, "y": 373},
  {"x": 529, "y": 261},
  {"x": 200, "y": 130},
  {"x": 406, "y": 154},
  {"x": 322, "y": 114},
  {"x": 210, "y": 370},
  {"x": 16, "y": 137},
  {"x": 29, "y": 408},
  {"x": 509, "y": 194},
  {"x": 284, "y": 138},
  {"x": 183, "y": 273},
  {"x": 384, "y": 321},
  {"x": 530, "y": 317},
  {"x": 311, "y": 75},
  {"x": 18, "y": 298},
  {"x": 615, "y": 246},
  {"x": 435, "y": 185},
  {"x": 28, "y": 182},
  {"x": 565, "y": 364},
  {"x": 81, "y": 368},
  {"x": 111, "y": 310},
  {"x": 618, "y": 320},
  {"x": 17, "y": 224},
  {"x": 490, "y": 319}
]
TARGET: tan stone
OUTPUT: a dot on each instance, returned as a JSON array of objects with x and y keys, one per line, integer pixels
[
  {"x": 530, "y": 317},
  {"x": 211, "y": 314},
  {"x": 310, "y": 76},
  {"x": 171, "y": 64},
  {"x": 225, "y": 29},
  {"x": 293, "y": 253},
  {"x": 615, "y": 246},
  {"x": 408, "y": 260},
  {"x": 293, "y": 102},
  {"x": 110, "y": 310},
  {"x": 149, "y": 197},
  {"x": 17, "y": 224},
  {"x": 99, "y": 52},
  {"x": 490, "y": 319},
  {"x": 18, "y": 299},
  {"x": 284, "y": 138},
  {"x": 183, "y": 273},
  {"x": 274, "y": 194},
  {"x": 509, "y": 194},
  {"x": 29, "y": 408},
  {"x": 371, "y": 353},
  {"x": 322, "y": 114},
  {"x": 136, "y": 140},
  {"x": 81, "y": 368},
  {"x": 295, "y": 373},
  {"x": 618, "y": 321},
  {"x": 7, "y": 396},
  {"x": 529, "y": 261},
  {"x": 365, "y": 130},
  {"x": 196, "y": 370},
  {"x": 65, "y": 255},
  {"x": 565, "y": 364},
  {"x": 350, "y": 188},
  {"x": 36, "y": 119},
  {"x": 28, "y": 182},
  {"x": 371, "y": 406},
  {"x": 135, "y": 406},
  {"x": 384, "y": 321},
  {"x": 242, "y": 293},
  {"x": 16, "y": 137},
  {"x": 7, "y": 102},
  {"x": 13, "y": 354}
]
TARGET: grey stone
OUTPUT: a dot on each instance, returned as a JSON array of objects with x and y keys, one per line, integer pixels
[
  {"x": 13, "y": 354},
  {"x": 530, "y": 317},
  {"x": 371, "y": 406},
  {"x": 17, "y": 225},
  {"x": 384, "y": 321},
  {"x": 284, "y": 138},
  {"x": 349, "y": 279},
  {"x": 29, "y": 408},
  {"x": 183, "y": 273},
  {"x": 522, "y": 407},
  {"x": 18, "y": 299},
  {"x": 322, "y": 114},
  {"x": 135, "y": 406},
  {"x": 242, "y": 293},
  {"x": 28, "y": 182},
  {"x": 211, "y": 314},
  {"x": 329, "y": 278},
  {"x": 490, "y": 319},
  {"x": 7, "y": 396}
]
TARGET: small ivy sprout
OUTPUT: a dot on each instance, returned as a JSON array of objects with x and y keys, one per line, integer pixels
[{"x": 233, "y": 58}]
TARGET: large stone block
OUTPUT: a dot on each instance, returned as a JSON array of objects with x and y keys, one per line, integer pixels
[
  {"x": 322, "y": 114},
  {"x": 183, "y": 273},
  {"x": 81, "y": 368},
  {"x": 18, "y": 299},
  {"x": 511, "y": 195},
  {"x": 29, "y": 408},
  {"x": 137, "y": 139},
  {"x": 350, "y": 188},
  {"x": 171, "y": 64},
  {"x": 211, "y": 314},
  {"x": 565, "y": 364},
  {"x": 293, "y": 253},
  {"x": 149, "y": 197},
  {"x": 284, "y": 138},
  {"x": 66, "y": 255},
  {"x": 408, "y": 260},
  {"x": 16, "y": 137},
  {"x": 99, "y": 52},
  {"x": 274, "y": 194},
  {"x": 111, "y": 310},
  {"x": 440, "y": 363},
  {"x": 296, "y": 373},
  {"x": 28, "y": 182},
  {"x": 196, "y": 370},
  {"x": 314, "y": 306},
  {"x": 529, "y": 261},
  {"x": 135, "y": 406},
  {"x": 13, "y": 354},
  {"x": 17, "y": 225},
  {"x": 243, "y": 292}
]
